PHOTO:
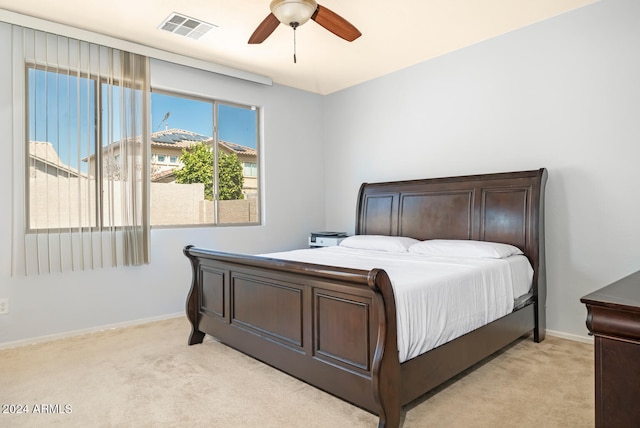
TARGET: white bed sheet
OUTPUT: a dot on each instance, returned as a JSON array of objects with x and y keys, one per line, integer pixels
[{"x": 437, "y": 298}]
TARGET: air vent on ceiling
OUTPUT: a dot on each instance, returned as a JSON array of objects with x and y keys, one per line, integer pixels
[{"x": 186, "y": 26}]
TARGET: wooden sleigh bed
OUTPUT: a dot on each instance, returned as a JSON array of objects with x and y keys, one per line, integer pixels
[{"x": 335, "y": 328}]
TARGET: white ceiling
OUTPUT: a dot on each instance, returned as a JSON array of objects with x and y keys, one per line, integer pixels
[{"x": 396, "y": 34}]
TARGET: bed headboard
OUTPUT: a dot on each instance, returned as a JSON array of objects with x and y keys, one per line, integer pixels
[{"x": 503, "y": 207}]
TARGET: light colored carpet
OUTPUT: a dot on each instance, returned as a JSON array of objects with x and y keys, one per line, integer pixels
[{"x": 147, "y": 376}]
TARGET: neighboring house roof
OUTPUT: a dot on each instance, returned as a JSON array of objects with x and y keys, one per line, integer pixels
[
  {"x": 177, "y": 138},
  {"x": 181, "y": 138},
  {"x": 43, "y": 152},
  {"x": 237, "y": 148},
  {"x": 166, "y": 176}
]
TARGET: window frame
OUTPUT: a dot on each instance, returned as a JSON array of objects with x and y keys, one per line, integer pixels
[
  {"x": 98, "y": 217},
  {"x": 97, "y": 82},
  {"x": 96, "y": 149},
  {"x": 215, "y": 102}
]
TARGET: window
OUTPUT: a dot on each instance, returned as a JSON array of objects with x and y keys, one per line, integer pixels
[
  {"x": 85, "y": 145},
  {"x": 204, "y": 161},
  {"x": 71, "y": 183},
  {"x": 61, "y": 191},
  {"x": 250, "y": 169}
]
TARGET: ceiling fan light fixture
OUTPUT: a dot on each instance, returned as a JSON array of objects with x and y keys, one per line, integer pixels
[{"x": 293, "y": 11}]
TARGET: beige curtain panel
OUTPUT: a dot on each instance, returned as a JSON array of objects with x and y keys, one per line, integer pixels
[{"x": 81, "y": 154}]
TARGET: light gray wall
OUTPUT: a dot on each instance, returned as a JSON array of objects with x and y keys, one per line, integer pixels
[
  {"x": 562, "y": 94},
  {"x": 50, "y": 305}
]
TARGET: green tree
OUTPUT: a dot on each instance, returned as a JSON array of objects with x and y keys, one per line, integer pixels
[
  {"x": 197, "y": 167},
  {"x": 230, "y": 177}
]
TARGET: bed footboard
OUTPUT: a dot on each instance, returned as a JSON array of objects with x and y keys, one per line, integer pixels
[
  {"x": 336, "y": 328},
  {"x": 333, "y": 328}
]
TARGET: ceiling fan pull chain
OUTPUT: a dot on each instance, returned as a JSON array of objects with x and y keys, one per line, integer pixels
[{"x": 294, "y": 42}]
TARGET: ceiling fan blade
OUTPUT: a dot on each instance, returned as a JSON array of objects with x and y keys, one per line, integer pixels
[
  {"x": 264, "y": 30},
  {"x": 335, "y": 23}
]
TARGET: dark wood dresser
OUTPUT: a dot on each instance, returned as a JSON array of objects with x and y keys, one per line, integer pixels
[{"x": 613, "y": 316}]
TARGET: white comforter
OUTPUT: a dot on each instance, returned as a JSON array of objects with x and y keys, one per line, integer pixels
[{"x": 437, "y": 298}]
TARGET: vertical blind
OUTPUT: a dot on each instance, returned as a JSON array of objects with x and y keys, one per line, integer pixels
[{"x": 81, "y": 154}]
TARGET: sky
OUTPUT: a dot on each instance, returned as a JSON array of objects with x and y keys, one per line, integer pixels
[
  {"x": 236, "y": 124},
  {"x": 54, "y": 113}
]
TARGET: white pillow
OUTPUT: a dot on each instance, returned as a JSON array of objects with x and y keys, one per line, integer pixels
[
  {"x": 396, "y": 244},
  {"x": 464, "y": 248}
]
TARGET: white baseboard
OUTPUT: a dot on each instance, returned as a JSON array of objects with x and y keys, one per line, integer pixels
[
  {"x": 50, "y": 337},
  {"x": 574, "y": 337}
]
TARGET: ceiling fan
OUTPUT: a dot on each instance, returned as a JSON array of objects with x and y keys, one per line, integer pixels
[{"x": 296, "y": 12}]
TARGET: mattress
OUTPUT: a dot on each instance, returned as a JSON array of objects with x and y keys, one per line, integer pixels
[{"x": 437, "y": 298}]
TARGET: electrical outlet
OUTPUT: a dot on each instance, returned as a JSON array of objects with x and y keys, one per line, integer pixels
[{"x": 4, "y": 306}]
